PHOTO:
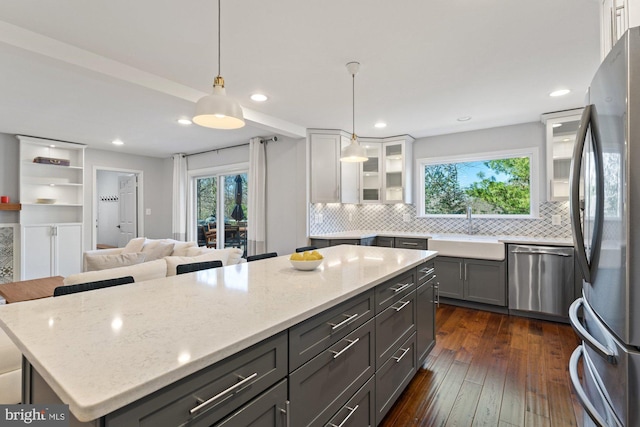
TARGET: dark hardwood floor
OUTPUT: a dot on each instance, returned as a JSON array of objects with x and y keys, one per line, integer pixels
[{"x": 490, "y": 369}]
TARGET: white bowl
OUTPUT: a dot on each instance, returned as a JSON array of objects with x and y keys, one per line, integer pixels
[
  {"x": 306, "y": 265},
  {"x": 46, "y": 201}
]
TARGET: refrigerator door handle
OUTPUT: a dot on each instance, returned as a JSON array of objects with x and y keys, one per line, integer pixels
[
  {"x": 585, "y": 336},
  {"x": 587, "y": 268},
  {"x": 578, "y": 353}
]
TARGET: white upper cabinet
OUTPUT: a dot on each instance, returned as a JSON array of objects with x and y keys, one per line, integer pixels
[
  {"x": 561, "y": 129},
  {"x": 616, "y": 17},
  {"x": 371, "y": 173},
  {"x": 332, "y": 181}
]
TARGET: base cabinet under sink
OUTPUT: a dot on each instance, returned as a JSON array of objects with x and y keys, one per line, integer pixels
[{"x": 475, "y": 280}]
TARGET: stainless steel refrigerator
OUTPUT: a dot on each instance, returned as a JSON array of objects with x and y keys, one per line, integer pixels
[{"x": 605, "y": 216}]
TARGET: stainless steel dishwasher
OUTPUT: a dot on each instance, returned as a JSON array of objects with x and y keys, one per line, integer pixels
[{"x": 541, "y": 279}]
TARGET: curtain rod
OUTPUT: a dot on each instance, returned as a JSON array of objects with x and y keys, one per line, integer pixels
[{"x": 262, "y": 141}]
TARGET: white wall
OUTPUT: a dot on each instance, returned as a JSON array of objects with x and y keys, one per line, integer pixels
[
  {"x": 9, "y": 178},
  {"x": 107, "y": 189},
  {"x": 487, "y": 140},
  {"x": 156, "y": 194}
]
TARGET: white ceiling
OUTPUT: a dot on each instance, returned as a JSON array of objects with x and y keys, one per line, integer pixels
[{"x": 92, "y": 71}]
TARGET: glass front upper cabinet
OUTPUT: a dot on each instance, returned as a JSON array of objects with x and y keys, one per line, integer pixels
[
  {"x": 561, "y": 130},
  {"x": 370, "y": 172}
]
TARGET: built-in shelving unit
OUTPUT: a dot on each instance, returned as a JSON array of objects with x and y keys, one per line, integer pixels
[
  {"x": 10, "y": 206},
  {"x": 52, "y": 197}
]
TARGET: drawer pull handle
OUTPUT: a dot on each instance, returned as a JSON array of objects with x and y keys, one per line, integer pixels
[
  {"x": 436, "y": 287},
  {"x": 351, "y": 412},
  {"x": 404, "y": 304},
  {"x": 409, "y": 243},
  {"x": 427, "y": 271},
  {"x": 349, "y": 318},
  {"x": 337, "y": 354},
  {"x": 233, "y": 389},
  {"x": 401, "y": 288},
  {"x": 427, "y": 275},
  {"x": 404, "y": 352}
]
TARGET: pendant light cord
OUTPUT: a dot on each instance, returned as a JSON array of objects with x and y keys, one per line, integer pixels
[
  {"x": 218, "y": 37},
  {"x": 353, "y": 93}
]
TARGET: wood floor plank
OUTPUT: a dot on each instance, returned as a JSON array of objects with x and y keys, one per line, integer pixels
[
  {"x": 490, "y": 401},
  {"x": 536, "y": 397},
  {"x": 513, "y": 397},
  {"x": 440, "y": 407},
  {"x": 485, "y": 352},
  {"x": 465, "y": 405},
  {"x": 535, "y": 420}
]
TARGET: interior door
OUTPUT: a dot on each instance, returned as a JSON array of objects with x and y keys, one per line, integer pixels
[{"x": 127, "y": 209}]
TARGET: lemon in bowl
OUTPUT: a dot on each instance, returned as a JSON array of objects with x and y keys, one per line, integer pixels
[{"x": 308, "y": 260}]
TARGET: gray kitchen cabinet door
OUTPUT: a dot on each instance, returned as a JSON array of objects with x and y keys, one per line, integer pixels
[
  {"x": 450, "y": 279},
  {"x": 267, "y": 410},
  {"x": 360, "y": 410},
  {"x": 321, "y": 243},
  {"x": 393, "y": 326},
  {"x": 393, "y": 377},
  {"x": 426, "y": 320},
  {"x": 392, "y": 290},
  {"x": 320, "y": 387},
  {"x": 307, "y": 339},
  {"x": 485, "y": 281},
  {"x": 387, "y": 242},
  {"x": 411, "y": 243}
]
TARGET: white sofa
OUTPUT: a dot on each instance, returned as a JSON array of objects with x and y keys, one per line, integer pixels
[{"x": 182, "y": 253}]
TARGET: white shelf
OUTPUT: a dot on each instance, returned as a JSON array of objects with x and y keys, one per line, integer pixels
[
  {"x": 46, "y": 166},
  {"x": 53, "y": 204}
]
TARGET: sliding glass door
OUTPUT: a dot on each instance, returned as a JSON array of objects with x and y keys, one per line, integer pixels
[{"x": 220, "y": 204}]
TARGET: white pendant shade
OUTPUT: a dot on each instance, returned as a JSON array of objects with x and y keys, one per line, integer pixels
[
  {"x": 353, "y": 152},
  {"x": 218, "y": 111}
]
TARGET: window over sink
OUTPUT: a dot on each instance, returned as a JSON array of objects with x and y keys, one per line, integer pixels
[{"x": 495, "y": 185}]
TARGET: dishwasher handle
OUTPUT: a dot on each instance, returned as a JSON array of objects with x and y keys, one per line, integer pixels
[{"x": 540, "y": 252}]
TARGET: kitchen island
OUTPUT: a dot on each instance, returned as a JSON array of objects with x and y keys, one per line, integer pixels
[{"x": 110, "y": 352}]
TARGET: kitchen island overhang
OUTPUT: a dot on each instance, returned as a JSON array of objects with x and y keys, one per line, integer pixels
[{"x": 100, "y": 351}]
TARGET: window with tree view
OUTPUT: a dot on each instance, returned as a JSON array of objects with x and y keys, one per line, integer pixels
[{"x": 493, "y": 186}]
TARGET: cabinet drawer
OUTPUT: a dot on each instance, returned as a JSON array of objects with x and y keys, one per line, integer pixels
[
  {"x": 426, "y": 273},
  {"x": 320, "y": 387},
  {"x": 309, "y": 338},
  {"x": 390, "y": 291},
  {"x": 393, "y": 377},
  {"x": 235, "y": 381},
  {"x": 409, "y": 243},
  {"x": 266, "y": 410},
  {"x": 393, "y": 326},
  {"x": 359, "y": 411}
]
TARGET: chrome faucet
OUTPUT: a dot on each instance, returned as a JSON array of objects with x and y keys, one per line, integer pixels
[{"x": 469, "y": 221}]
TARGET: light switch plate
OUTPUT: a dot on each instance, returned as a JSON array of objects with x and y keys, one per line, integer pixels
[
  {"x": 556, "y": 220},
  {"x": 147, "y": 211}
]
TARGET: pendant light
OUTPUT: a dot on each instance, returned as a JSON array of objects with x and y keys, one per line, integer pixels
[
  {"x": 217, "y": 110},
  {"x": 353, "y": 152}
]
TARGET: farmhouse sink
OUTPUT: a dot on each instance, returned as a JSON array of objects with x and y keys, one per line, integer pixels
[{"x": 468, "y": 246}]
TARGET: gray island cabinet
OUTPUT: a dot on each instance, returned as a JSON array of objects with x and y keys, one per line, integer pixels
[
  {"x": 336, "y": 346},
  {"x": 475, "y": 280}
]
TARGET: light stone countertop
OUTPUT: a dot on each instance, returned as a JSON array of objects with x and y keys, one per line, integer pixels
[
  {"x": 104, "y": 349},
  {"x": 525, "y": 240}
]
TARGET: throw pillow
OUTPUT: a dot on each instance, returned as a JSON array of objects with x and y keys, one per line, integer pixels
[
  {"x": 233, "y": 255},
  {"x": 103, "y": 262},
  {"x": 174, "y": 261},
  {"x": 180, "y": 248},
  {"x": 134, "y": 245},
  {"x": 157, "y": 250}
]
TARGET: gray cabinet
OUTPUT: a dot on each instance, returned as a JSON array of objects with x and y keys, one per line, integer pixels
[
  {"x": 410, "y": 243},
  {"x": 476, "y": 280},
  {"x": 384, "y": 241},
  {"x": 320, "y": 387},
  {"x": 267, "y": 410},
  {"x": 309, "y": 338},
  {"x": 360, "y": 410},
  {"x": 227, "y": 386},
  {"x": 392, "y": 290},
  {"x": 394, "y": 375},
  {"x": 394, "y": 325},
  {"x": 323, "y": 243},
  {"x": 426, "y": 313}
]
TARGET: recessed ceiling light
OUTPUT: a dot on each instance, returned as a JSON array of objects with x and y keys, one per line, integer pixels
[
  {"x": 117, "y": 142},
  {"x": 52, "y": 146},
  {"x": 380, "y": 125},
  {"x": 556, "y": 125},
  {"x": 560, "y": 92},
  {"x": 464, "y": 118},
  {"x": 258, "y": 97},
  {"x": 566, "y": 140},
  {"x": 184, "y": 121}
]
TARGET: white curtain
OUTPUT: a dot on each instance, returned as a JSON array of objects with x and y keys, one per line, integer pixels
[
  {"x": 179, "y": 227},
  {"x": 256, "y": 221}
]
